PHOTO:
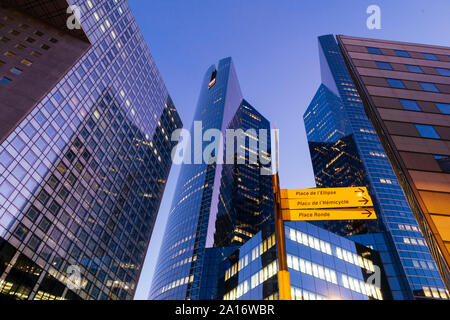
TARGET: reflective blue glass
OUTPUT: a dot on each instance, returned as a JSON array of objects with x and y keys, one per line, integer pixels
[
  {"x": 83, "y": 174},
  {"x": 427, "y": 131},
  {"x": 430, "y": 56},
  {"x": 410, "y": 105},
  {"x": 321, "y": 265},
  {"x": 5, "y": 80},
  {"x": 443, "y": 72},
  {"x": 214, "y": 204},
  {"x": 413, "y": 68},
  {"x": 395, "y": 83},
  {"x": 16, "y": 71},
  {"x": 444, "y": 162},
  {"x": 428, "y": 86},
  {"x": 443, "y": 107},
  {"x": 373, "y": 50},
  {"x": 384, "y": 65},
  {"x": 402, "y": 53}
]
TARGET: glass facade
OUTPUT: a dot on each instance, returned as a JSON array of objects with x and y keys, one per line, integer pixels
[
  {"x": 396, "y": 234},
  {"x": 219, "y": 205},
  {"x": 83, "y": 174},
  {"x": 251, "y": 272},
  {"x": 321, "y": 264}
]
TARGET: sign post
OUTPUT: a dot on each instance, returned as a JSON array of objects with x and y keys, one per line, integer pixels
[
  {"x": 284, "y": 282},
  {"x": 353, "y": 203},
  {"x": 329, "y": 214}
]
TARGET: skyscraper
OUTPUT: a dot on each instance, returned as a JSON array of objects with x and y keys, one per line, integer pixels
[
  {"x": 83, "y": 173},
  {"x": 336, "y": 116},
  {"x": 205, "y": 218},
  {"x": 405, "y": 88},
  {"x": 335, "y": 156}
]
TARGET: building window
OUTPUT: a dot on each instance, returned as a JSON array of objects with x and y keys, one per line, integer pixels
[
  {"x": 16, "y": 71},
  {"x": 14, "y": 32},
  {"x": 443, "y": 107},
  {"x": 402, "y": 53},
  {"x": 430, "y": 56},
  {"x": 36, "y": 54},
  {"x": 415, "y": 69},
  {"x": 427, "y": 131},
  {"x": 5, "y": 80},
  {"x": 384, "y": 65},
  {"x": 39, "y": 33},
  {"x": 4, "y": 39},
  {"x": 444, "y": 162},
  {"x": 373, "y": 50},
  {"x": 30, "y": 40},
  {"x": 45, "y": 47},
  {"x": 20, "y": 46},
  {"x": 53, "y": 40},
  {"x": 395, "y": 83},
  {"x": 443, "y": 72},
  {"x": 410, "y": 105},
  {"x": 428, "y": 86},
  {"x": 10, "y": 54},
  {"x": 26, "y": 62},
  {"x": 2, "y": 63}
]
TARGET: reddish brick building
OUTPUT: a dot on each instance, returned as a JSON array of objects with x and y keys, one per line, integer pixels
[
  {"x": 36, "y": 51},
  {"x": 405, "y": 88}
]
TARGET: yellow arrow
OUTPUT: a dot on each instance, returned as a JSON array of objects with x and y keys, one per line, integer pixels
[
  {"x": 329, "y": 214},
  {"x": 325, "y": 198}
]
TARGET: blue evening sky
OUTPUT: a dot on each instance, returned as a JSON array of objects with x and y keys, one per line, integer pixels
[{"x": 274, "y": 47}]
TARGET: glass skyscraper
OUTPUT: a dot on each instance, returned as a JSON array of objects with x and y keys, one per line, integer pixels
[
  {"x": 83, "y": 174},
  {"x": 205, "y": 219},
  {"x": 344, "y": 144}
]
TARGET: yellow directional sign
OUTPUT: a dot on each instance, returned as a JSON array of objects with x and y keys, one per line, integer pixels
[
  {"x": 329, "y": 214},
  {"x": 318, "y": 198}
]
